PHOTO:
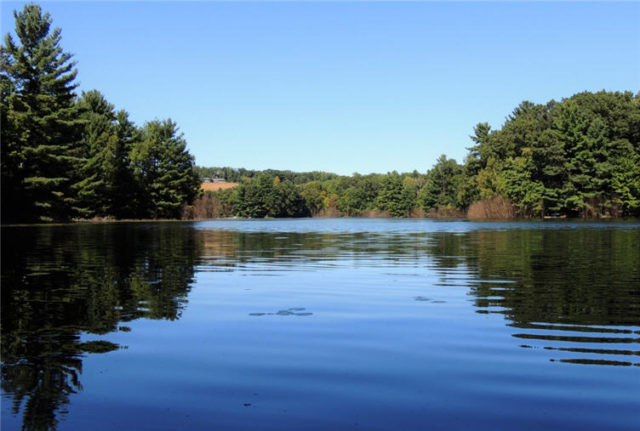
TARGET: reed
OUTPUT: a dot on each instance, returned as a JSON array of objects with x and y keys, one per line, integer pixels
[{"x": 495, "y": 208}]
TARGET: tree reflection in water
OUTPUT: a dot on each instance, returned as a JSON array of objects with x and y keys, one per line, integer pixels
[
  {"x": 61, "y": 281},
  {"x": 575, "y": 285},
  {"x": 561, "y": 290}
]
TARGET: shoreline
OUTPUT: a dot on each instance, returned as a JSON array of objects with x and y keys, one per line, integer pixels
[{"x": 461, "y": 218}]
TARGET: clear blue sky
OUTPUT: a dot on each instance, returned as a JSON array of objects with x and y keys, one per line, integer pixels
[{"x": 342, "y": 87}]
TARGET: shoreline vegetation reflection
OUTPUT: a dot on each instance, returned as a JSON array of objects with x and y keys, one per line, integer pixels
[
  {"x": 573, "y": 293},
  {"x": 61, "y": 282}
]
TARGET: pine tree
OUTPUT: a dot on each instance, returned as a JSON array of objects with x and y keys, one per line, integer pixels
[
  {"x": 442, "y": 186},
  {"x": 39, "y": 125},
  {"x": 123, "y": 186},
  {"x": 98, "y": 147},
  {"x": 393, "y": 197},
  {"x": 254, "y": 196},
  {"x": 163, "y": 169},
  {"x": 107, "y": 185}
]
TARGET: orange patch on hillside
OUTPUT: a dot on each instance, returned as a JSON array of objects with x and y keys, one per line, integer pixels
[{"x": 218, "y": 186}]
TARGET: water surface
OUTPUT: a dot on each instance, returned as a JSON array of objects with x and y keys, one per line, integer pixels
[{"x": 321, "y": 324}]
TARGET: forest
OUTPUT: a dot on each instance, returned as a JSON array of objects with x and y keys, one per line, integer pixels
[
  {"x": 68, "y": 157},
  {"x": 75, "y": 157},
  {"x": 579, "y": 157}
]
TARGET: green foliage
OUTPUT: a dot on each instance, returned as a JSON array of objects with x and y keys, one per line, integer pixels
[
  {"x": 353, "y": 201},
  {"x": 266, "y": 196},
  {"x": 625, "y": 184},
  {"x": 442, "y": 186},
  {"x": 253, "y": 197},
  {"x": 234, "y": 175},
  {"x": 570, "y": 157},
  {"x": 577, "y": 157},
  {"x": 315, "y": 197},
  {"x": 518, "y": 186},
  {"x": 39, "y": 121},
  {"x": 123, "y": 188},
  {"x": 396, "y": 197},
  {"x": 163, "y": 170},
  {"x": 65, "y": 157},
  {"x": 99, "y": 146},
  {"x": 468, "y": 190},
  {"x": 286, "y": 200}
]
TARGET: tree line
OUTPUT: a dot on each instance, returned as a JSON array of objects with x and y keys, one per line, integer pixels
[
  {"x": 392, "y": 194},
  {"x": 579, "y": 157},
  {"x": 66, "y": 156},
  {"x": 235, "y": 175}
]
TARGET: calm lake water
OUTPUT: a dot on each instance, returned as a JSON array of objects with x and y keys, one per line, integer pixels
[{"x": 325, "y": 324}]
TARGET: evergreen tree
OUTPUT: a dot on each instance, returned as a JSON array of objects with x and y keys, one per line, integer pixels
[
  {"x": 254, "y": 196},
  {"x": 99, "y": 143},
  {"x": 124, "y": 189},
  {"x": 107, "y": 187},
  {"x": 577, "y": 157},
  {"x": 393, "y": 197},
  {"x": 441, "y": 189},
  {"x": 163, "y": 169},
  {"x": 39, "y": 125},
  {"x": 518, "y": 185}
]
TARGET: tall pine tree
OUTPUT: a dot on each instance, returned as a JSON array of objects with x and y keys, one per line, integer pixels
[
  {"x": 39, "y": 121},
  {"x": 107, "y": 185}
]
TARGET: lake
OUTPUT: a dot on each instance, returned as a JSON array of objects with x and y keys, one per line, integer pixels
[{"x": 321, "y": 324}]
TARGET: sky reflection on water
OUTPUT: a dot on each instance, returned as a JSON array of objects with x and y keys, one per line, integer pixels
[{"x": 321, "y": 324}]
